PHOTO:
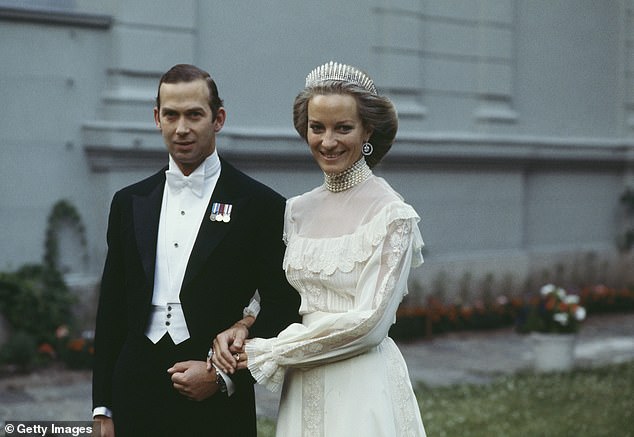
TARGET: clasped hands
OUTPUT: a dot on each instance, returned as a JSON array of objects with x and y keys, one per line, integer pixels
[
  {"x": 228, "y": 353},
  {"x": 196, "y": 380}
]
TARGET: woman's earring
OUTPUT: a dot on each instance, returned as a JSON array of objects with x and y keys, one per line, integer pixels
[{"x": 367, "y": 149}]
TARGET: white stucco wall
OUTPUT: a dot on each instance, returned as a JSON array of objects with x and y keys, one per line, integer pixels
[{"x": 515, "y": 138}]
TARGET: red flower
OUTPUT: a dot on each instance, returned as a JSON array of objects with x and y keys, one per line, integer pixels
[
  {"x": 46, "y": 349},
  {"x": 77, "y": 344}
]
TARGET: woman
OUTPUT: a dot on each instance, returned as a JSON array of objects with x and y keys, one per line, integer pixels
[{"x": 350, "y": 245}]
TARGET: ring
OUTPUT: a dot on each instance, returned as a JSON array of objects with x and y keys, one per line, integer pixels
[
  {"x": 237, "y": 357},
  {"x": 210, "y": 353}
]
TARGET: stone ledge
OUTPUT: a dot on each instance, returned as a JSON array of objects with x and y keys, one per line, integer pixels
[{"x": 57, "y": 17}]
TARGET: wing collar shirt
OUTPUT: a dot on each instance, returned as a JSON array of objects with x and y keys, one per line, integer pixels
[{"x": 185, "y": 201}]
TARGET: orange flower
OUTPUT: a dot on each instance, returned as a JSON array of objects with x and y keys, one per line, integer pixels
[
  {"x": 46, "y": 349},
  {"x": 76, "y": 345},
  {"x": 466, "y": 312}
]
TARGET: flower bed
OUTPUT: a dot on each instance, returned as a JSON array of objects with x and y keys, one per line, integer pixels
[{"x": 414, "y": 322}]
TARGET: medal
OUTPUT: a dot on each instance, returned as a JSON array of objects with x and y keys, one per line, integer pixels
[
  {"x": 214, "y": 211},
  {"x": 226, "y": 217},
  {"x": 220, "y": 212}
]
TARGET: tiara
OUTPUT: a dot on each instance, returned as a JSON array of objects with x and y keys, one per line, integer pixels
[{"x": 342, "y": 72}]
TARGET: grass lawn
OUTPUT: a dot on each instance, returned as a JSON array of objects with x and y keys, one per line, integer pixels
[{"x": 585, "y": 402}]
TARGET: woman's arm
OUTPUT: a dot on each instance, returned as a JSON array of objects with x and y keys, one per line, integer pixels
[{"x": 342, "y": 335}]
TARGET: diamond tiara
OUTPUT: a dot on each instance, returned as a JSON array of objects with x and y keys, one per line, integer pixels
[{"x": 342, "y": 72}]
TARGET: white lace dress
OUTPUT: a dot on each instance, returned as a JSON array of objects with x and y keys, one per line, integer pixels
[{"x": 348, "y": 255}]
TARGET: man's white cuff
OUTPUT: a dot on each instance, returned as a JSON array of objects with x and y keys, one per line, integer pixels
[{"x": 101, "y": 411}]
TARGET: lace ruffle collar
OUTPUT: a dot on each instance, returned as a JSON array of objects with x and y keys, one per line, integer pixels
[{"x": 342, "y": 253}]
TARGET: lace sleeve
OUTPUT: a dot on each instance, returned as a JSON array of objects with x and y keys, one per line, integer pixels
[{"x": 382, "y": 285}]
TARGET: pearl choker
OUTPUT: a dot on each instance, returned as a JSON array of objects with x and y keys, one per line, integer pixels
[{"x": 337, "y": 182}]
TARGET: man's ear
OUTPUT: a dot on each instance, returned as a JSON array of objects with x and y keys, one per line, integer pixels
[
  {"x": 219, "y": 121},
  {"x": 157, "y": 119}
]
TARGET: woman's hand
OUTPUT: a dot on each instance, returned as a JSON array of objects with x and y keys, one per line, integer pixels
[
  {"x": 228, "y": 346},
  {"x": 242, "y": 359}
]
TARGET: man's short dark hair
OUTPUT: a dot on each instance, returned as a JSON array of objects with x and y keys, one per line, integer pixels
[{"x": 189, "y": 73}]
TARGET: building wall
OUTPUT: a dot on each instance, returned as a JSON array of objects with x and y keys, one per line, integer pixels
[
  {"x": 515, "y": 137},
  {"x": 50, "y": 79}
]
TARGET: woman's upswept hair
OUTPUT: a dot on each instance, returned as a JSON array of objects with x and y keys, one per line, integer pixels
[{"x": 377, "y": 113}]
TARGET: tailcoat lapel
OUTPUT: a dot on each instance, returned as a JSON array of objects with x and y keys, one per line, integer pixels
[
  {"x": 211, "y": 233},
  {"x": 146, "y": 214}
]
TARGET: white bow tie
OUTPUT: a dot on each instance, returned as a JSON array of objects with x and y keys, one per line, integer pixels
[{"x": 177, "y": 181}]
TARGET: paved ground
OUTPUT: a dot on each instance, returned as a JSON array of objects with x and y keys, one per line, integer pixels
[{"x": 448, "y": 359}]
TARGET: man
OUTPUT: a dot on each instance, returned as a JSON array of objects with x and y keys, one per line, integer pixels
[{"x": 187, "y": 249}]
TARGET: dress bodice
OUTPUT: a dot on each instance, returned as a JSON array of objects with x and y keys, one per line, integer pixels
[{"x": 331, "y": 237}]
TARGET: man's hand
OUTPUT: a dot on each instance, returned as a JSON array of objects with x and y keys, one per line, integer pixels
[
  {"x": 193, "y": 380},
  {"x": 104, "y": 424},
  {"x": 226, "y": 345}
]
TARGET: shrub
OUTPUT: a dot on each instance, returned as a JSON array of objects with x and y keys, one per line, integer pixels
[
  {"x": 20, "y": 350},
  {"x": 35, "y": 300},
  {"x": 77, "y": 353}
]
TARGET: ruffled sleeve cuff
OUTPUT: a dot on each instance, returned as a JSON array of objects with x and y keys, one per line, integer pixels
[{"x": 262, "y": 365}]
